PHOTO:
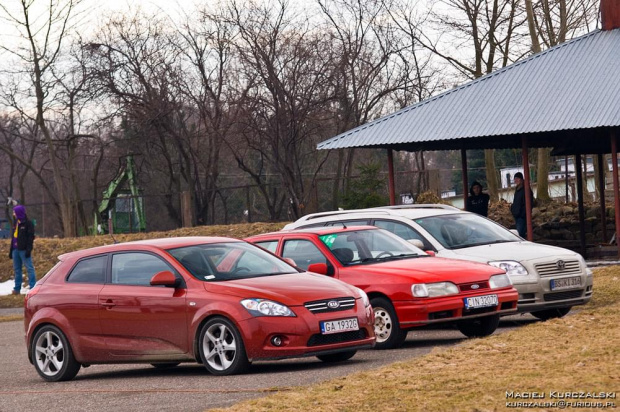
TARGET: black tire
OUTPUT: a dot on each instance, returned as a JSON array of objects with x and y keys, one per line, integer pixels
[
  {"x": 165, "y": 365},
  {"x": 478, "y": 327},
  {"x": 551, "y": 313},
  {"x": 221, "y": 348},
  {"x": 52, "y": 355},
  {"x": 337, "y": 357},
  {"x": 387, "y": 328}
]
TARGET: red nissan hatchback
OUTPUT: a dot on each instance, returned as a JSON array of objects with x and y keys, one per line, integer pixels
[
  {"x": 407, "y": 288},
  {"x": 218, "y": 301}
]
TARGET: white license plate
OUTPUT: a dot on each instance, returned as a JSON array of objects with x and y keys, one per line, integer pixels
[
  {"x": 336, "y": 326},
  {"x": 566, "y": 283},
  {"x": 481, "y": 301}
]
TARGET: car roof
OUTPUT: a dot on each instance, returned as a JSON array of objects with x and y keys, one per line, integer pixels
[
  {"x": 409, "y": 211},
  {"x": 146, "y": 244},
  {"x": 323, "y": 230}
]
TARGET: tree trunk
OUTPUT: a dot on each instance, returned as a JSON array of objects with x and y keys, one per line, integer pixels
[
  {"x": 491, "y": 172},
  {"x": 542, "y": 175}
]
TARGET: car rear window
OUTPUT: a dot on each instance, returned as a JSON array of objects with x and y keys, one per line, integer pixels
[{"x": 91, "y": 270}]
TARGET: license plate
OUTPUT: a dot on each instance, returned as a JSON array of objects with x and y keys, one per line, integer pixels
[
  {"x": 336, "y": 326},
  {"x": 566, "y": 283},
  {"x": 481, "y": 301}
]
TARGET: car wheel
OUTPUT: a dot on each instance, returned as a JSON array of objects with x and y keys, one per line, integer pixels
[
  {"x": 551, "y": 313},
  {"x": 52, "y": 355},
  {"x": 221, "y": 348},
  {"x": 165, "y": 365},
  {"x": 337, "y": 357},
  {"x": 387, "y": 330},
  {"x": 478, "y": 327}
]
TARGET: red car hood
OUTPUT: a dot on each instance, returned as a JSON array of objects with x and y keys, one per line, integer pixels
[
  {"x": 291, "y": 290},
  {"x": 429, "y": 269}
]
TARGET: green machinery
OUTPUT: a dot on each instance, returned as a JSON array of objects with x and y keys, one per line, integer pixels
[{"x": 122, "y": 207}]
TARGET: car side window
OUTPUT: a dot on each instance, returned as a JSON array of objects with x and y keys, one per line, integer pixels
[
  {"x": 271, "y": 245},
  {"x": 136, "y": 268},
  {"x": 401, "y": 230},
  {"x": 90, "y": 270},
  {"x": 303, "y": 252}
]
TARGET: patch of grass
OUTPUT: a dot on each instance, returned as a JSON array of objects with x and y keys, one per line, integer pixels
[{"x": 577, "y": 353}]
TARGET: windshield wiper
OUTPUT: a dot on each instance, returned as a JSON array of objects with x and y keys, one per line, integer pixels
[{"x": 481, "y": 244}]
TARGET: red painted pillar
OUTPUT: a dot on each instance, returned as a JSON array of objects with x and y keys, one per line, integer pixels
[
  {"x": 614, "y": 165},
  {"x": 391, "y": 188},
  {"x": 465, "y": 182},
  {"x": 526, "y": 188}
]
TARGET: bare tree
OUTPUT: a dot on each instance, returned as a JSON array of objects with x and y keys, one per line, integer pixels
[{"x": 43, "y": 32}]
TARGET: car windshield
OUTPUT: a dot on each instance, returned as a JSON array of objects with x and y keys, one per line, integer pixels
[
  {"x": 463, "y": 230},
  {"x": 369, "y": 246},
  {"x": 229, "y": 261}
]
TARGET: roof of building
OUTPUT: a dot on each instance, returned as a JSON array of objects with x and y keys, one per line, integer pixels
[{"x": 562, "y": 97}]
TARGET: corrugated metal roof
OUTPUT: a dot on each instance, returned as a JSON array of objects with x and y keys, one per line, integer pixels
[{"x": 575, "y": 85}]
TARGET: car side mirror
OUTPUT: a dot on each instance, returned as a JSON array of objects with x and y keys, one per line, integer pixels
[
  {"x": 430, "y": 253},
  {"x": 290, "y": 261},
  {"x": 165, "y": 278},
  {"x": 417, "y": 243},
  {"x": 320, "y": 268}
]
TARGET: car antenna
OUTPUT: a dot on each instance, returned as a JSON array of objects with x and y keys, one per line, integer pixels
[
  {"x": 343, "y": 225},
  {"x": 112, "y": 236}
]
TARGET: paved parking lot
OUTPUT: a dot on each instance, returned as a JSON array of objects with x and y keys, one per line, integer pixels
[{"x": 187, "y": 387}]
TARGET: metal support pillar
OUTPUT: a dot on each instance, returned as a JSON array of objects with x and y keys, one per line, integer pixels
[
  {"x": 391, "y": 188},
  {"x": 601, "y": 191},
  {"x": 526, "y": 188},
  {"x": 582, "y": 215},
  {"x": 465, "y": 182},
  {"x": 614, "y": 165}
]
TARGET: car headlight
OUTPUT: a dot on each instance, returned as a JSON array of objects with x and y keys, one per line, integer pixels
[
  {"x": 431, "y": 290},
  {"x": 499, "y": 281},
  {"x": 263, "y": 307},
  {"x": 510, "y": 266},
  {"x": 364, "y": 297}
]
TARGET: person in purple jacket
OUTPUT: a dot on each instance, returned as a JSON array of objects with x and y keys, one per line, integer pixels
[{"x": 22, "y": 243}]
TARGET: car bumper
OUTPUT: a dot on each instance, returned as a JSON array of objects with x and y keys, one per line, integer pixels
[
  {"x": 539, "y": 296},
  {"x": 448, "y": 309},
  {"x": 301, "y": 336}
]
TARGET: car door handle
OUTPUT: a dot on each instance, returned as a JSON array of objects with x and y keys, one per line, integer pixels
[{"x": 108, "y": 304}]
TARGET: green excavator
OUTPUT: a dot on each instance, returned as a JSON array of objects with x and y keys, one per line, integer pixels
[{"x": 122, "y": 207}]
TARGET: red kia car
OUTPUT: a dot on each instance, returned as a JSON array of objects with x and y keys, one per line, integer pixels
[
  {"x": 219, "y": 301},
  {"x": 406, "y": 287}
]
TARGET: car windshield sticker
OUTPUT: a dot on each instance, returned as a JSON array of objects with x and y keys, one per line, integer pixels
[{"x": 328, "y": 240}]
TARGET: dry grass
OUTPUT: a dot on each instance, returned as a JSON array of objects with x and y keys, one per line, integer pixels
[
  {"x": 579, "y": 352},
  {"x": 46, "y": 250}
]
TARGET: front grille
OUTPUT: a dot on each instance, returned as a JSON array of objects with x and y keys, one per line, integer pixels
[
  {"x": 330, "y": 305},
  {"x": 558, "y": 268},
  {"x": 572, "y": 294},
  {"x": 468, "y": 286},
  {"x": 318, "y": 339}
]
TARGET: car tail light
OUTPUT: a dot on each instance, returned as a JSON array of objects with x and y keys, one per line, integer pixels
[{"x": 31, "y": 293}]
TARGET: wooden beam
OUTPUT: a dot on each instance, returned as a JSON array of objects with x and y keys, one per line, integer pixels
[
  {"x": 391, "y": 188},
  {"x": 582, "y": 215},
  {"x": 614, "y": 165},
  {"x": 526, "y": 188},
  {"x": 465, "y": 182},
  {"x": 601, "y": 191}
]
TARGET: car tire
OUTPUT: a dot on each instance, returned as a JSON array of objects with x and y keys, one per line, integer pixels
[
  {"x": 551, "y": 313},
  {"x": 165, "y": 365},
  {"x": 387, "y": 328},
  {"x": 52, "y": 355},
  {"x": 337, "y": 357},
  {"x": 221, "y": 348},
  {"x": 478, "y": 327}
]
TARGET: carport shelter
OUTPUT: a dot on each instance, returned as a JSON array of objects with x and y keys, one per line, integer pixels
[{"x": 567, "y": 98}]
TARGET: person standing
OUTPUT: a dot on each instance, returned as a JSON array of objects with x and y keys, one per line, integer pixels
[
  {"x": 518, "y": 205},
  {"x": 477, "y": 202},
  {"x": 22, "y": 243}
]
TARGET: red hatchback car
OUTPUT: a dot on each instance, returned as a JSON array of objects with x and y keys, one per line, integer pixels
[
  {"x": 219, "y": 301},
  {"x": 407, "y": 288}
]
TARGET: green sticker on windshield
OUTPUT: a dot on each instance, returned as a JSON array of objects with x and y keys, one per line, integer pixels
[{"x": 328, "y": 240}]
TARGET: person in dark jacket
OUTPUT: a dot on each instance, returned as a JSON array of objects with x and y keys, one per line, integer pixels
[
  {"x": 477, "y": 202},
  {"x": 518, "y": 205},
  {"x": 22, "y": 243}
]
